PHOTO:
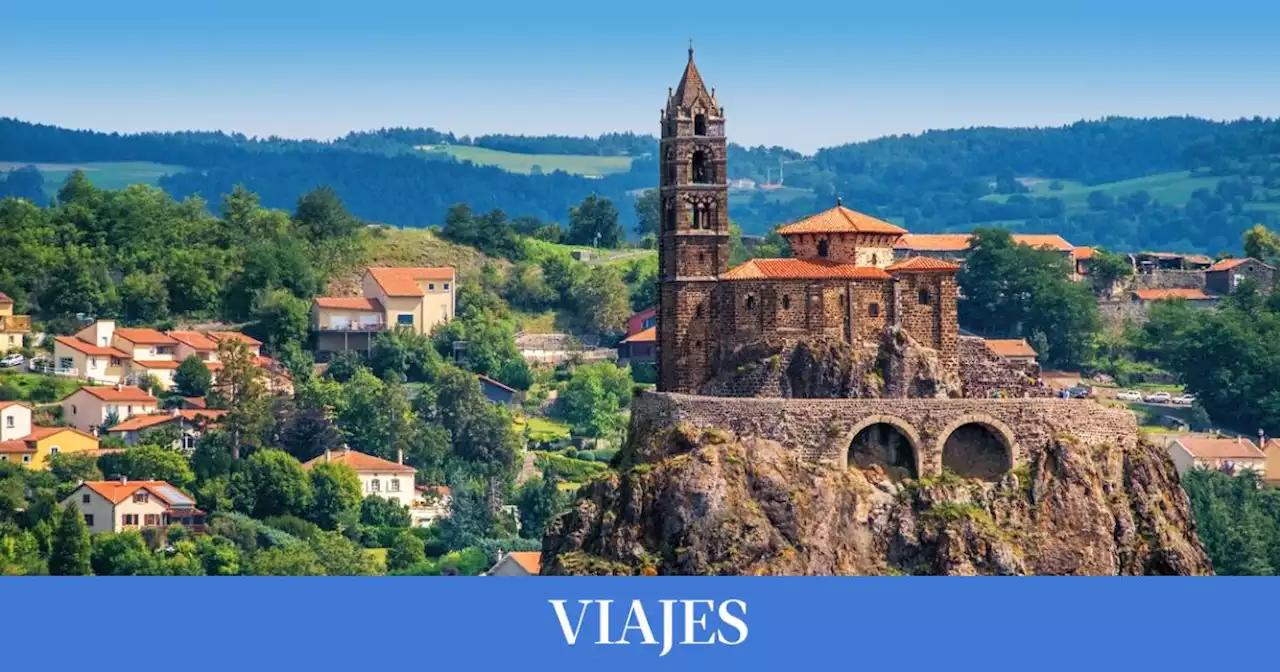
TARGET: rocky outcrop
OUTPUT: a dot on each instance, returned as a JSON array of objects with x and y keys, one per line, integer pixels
[
  {"x": 698, "y": 502},
  {"x": 824, "y": 368}
]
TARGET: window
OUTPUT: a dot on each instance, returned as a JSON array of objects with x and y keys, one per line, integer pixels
[
  {"x": 188, "y": 442},
  {"x": 85, "y": 498},
  {"x": 8, "y": 422},
  {"x": 53, "y": 450},
  {"x": 141, "y": 497},
  {"x": 26, "y": 459},
  {"x": 129, "y": 519},
  {"x": 873, "y": 310},
  {"x": 702, "y": 172},
  {"x": 446, "y": 286},
  {"x": 751, "y": 302},
  {"x": 375, "y": 485},
  {"x": 88, "y": 519},
  {"x": 824, "y": 247},
  {"x": 875, "y": 260},
  {"x": 130, "y": 409},
  {"x": 395, "y": 485},
  {"x": 702, "y": 257},
  {"x": 151, "y": 520},
  {"x": 115, "y": 361},
  {"x": 404, "y": 320},
  {"x": 431, "y": 286},
  {"x": 4, "y": 458},
  {"x": 786, "y": 302},
  {"x": 924, "y": 297},
  {"x": 697, "y": 312},
  {"x": 73, "y": 409},
  {"x": 65, "y": 363},
  {"x": 697, "y": 217},
  {"x": 700, "y": 124}
]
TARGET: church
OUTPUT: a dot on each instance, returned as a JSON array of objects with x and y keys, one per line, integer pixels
[{"x": 842, "y": 282}]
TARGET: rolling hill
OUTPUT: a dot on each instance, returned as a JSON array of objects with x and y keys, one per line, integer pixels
[{"x": 528, "y": 164}]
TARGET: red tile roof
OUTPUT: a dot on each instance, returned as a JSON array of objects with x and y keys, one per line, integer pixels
[
  {"x": 1176, "y": 293},
  {"x": 1082, "y": 253},
  {"x": 218, "y": 336},
  {"x": 359, "y": 462},
  {"x": 27, "y": 443},
  {"x": 157, "y": 363},
  {"x": 530, "y": 561},
  {"x": 923, "y": 265},
  {"x": 91, "y": 349},
  {"x": 138, "y": 422},
  {"x": 195, "y": 402},
  {"x": 959, "y": 242},
  {"x": 1010, "y": 347},
  {"x": 649, "y": 335},
  {"x": 841, "y": 220},
  {"x": 802, "y": 269},
  {"x": 116, "y": 491},
  {"x": 16, "y": 446},
  {"x": 125, "y": 393},
  {"x": 349, "y": 303},
  {"x": 1228, "y": 264},
  {"x": 144, "y": 336},
  {"x": 194, "y": 339},
  {"x": 1213, "y": 447},
  {"x": 404, "y": 281}
]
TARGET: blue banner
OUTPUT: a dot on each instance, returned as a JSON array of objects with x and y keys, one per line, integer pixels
[{"x": 287, "y": 624}]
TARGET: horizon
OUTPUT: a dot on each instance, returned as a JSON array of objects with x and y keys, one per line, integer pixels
[{"x": 306, "y": 71}]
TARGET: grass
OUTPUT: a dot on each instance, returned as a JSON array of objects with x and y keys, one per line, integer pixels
[
  {"x": 378, "y": 554},
  {"x": 537, "y": 323},
  {"x": 576, "y": 164},
  {"x": 779, "y": 195},
  {"x": 1171, "y": 188},
  {"x": 25, "y": 382},
  {"x": 104, "y": 174},
  {"x": 390, "y": 246},
  {"x": 595, "y": 255},
  {"x": 541, "y": 429}
]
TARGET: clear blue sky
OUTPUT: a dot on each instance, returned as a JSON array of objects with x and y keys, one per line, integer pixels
[{"x": 800, "y": 74}]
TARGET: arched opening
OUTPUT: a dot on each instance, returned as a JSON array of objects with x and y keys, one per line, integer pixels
[
  {"x": 976, "y": 450},
  {"x": 887, "y": 446},
  {"x": 697, "y": 312},
  {"x": 786, "y": 302},
  {"x": 697, "y": 217},
  {"x": 751, "y": 302},
  {"x": 702, "y": 168},
  {"x": 824, "y": 247},
  {"x": 700, "y": 124}
]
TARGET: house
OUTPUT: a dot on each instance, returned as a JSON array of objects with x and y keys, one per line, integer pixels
[
  {"x": 99, "y": 364},
  {"x": 639, "y": 347},
  {"x": 1224, "y": 276},
  {"x": 15, "y": 420},
  {"x": 432, "y": 503},
  {"x": 1016, "y": 350},
  {"x": 955, "y": 246},
  {"x": 1196, "y": 297},
  {"x": 1216, "y": 452},
  {"x": 1271, "y": 448},
  {"x": 12, "y": 327},
  {"x": 517, "y": 563},
  {"x": 24, "y": 442},
  {"x": 645, "y": 319},
  {"x": 91, "y": 407},
  {"x": 1146, "y": 262},
  {"x": 384, "y": 478},
  {"x": 194, "y": 343},
  {"x": 496, "y": 392},
  {"x": 122, "y": 505},
  {"x": 190, "y": 424},
  {"x": 416, "y": 298}
]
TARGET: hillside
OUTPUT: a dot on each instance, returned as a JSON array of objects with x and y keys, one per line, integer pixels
[{"x": 527, "y": 164}]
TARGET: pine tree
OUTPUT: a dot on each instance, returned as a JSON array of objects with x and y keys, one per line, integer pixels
[{"x": 69, "y": 555}]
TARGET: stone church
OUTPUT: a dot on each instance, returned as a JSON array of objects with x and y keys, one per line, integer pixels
[{"x": 842, "y": 283}]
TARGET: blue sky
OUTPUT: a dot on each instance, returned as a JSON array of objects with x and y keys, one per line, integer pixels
[{"x": 799, "y": 74}]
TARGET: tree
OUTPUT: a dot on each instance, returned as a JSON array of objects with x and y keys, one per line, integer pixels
[
  {"x": 1261, "y": 243},
  {"x": 283, "y": 318},
  {"x": 376, "y": 418},
  {"x": 149, "y": 463},
  {"x": 539, "y": 501},
  {"x": 378, "y": 511},
  {"x": 240, "y": 390},
  {"x": 123, "y": 554},
  {"x": 602, "y": 300},
  {"x": 1105, "y": 269},
  {"x": 323, "y": 216},
  {"x": 406, "y": 551},
  {"x": 144, "y": 298},
  {"x": 339, "y": 557},
  {"x": 594, "y": 222},
  {"x": 69, "y": 552},
  {"x": 648, "y": 213},
  {"x": 593, "y": 396},
  {"x": 73, "y": 468},
  {"x": 290, "y": 560},
  {"x": 337, "y": 493},
  {"x": 192, "y": 378},
  {"x": 273, "y": 484}
]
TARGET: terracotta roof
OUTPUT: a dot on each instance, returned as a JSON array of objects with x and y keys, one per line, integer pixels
[
  {"x": 1044, "y": 241},
  {"x": 116, "y": 491},
  {"x": 1212, "y": 447},
  {"x": 194, "y": 339},
  {"x": 214, "y": 366},
  {"x": 404, "y": 281},
  {"x": 125, "y": 393},
  {"x": 349, "y": 303},
  {"x": 1176, "y": 293},
  {"x": 1083, "y": 253},
  {"x": 359, "y": 462},
  {"x": 1228, "y": 264},
  {"x": 1198, "y": 259},
  {"x": 922, "y": 265},
  {"x": 649, "y": 335},
  {"x": 1010, "y": 347},
  {"x": 144, "y": 336},
  {"x": 530, "y": 561},
  {"x": 495, "y": 383},
  {"x": 959, "y": 242},
  {"x": 218, "y": 336},
  {"x": 802, "y": 269},
  {"x": 27, "y": 443},
  {"x": 691, "y": 85},
  {"x": 840, "y": 220},
  {"x": 157, "y": 363},
  {"x": 91, "y": 349},
  {"x": 16, "y": 446},
  {"x": 4, "y": 298},
  {"x": 138, "y": 422}
]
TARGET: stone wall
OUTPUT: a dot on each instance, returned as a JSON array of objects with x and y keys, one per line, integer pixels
[
  {"x": 823, "y": 429},
  {"x": 1168, "y": 279},
  {"x": 983, "y": 373}
]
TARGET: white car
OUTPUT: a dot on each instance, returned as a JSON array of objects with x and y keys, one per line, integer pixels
[
  {"x": 1129, "y": 395},
  {"x": 1185, "y": 399},
  {"x": 1158, "y": 398},
  {"x": 12, "y": 360}
]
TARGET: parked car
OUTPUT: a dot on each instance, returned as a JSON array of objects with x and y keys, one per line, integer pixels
[
  {"x": 1080, "y": 392},
  {"x": 1158, "y": 398},
  {"x": 12, "y": 360},
  {"x": 1129, "y": 395},
  {"x": 1185, "y": 399}
]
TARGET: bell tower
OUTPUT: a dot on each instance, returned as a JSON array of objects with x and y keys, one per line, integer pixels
[{"x": 693, "y": 244}]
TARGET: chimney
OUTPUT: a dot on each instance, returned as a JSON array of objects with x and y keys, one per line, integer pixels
[
  {"x": 119, "y": 386},
  {"x": 124, "y": 480},
  {"x": 839, "y": 201},
  {"x": 400, "y": 456},
  {"x": 328, "y": 455},
  {"x": 345, "y": 449},
  {"x": 174, "y": 412}
]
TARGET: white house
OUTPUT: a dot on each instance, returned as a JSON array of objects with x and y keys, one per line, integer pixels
[
  {"x": 1216, "y": 452},
  {"x": 384, "y": 478},
  {"x": 517, "y": 563},
  {"x": 117, "y": 506},
  {"x": 90, "y": 407}
]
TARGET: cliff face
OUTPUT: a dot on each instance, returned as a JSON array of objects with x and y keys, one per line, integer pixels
[{"x": 708, "y": 503}]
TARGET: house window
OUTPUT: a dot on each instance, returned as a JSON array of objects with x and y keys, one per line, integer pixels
[
  {"x": 395, "y": 485},
  {"x": 873, "y": 310},
  {"x": 4, "y": 458},
  {"x": 88, "y": 519},
  {"x": 924, "y": 297},
  {"x": 786, "y": 302},
  {"x": 130, "y": 409},
  {"x": 406, "y": 320},
  {"x": 875, "y": 260},
  {"x": 141, "y": 497},
  {"x": 751, "y": 302},
  {"x": 702, "y": 172},
  {"x": 697, "y": 217},
  {"x": 8, "y": 422},
  {"x": 85, "y": 498},
  {"x": 446, "y": 286},
  {"x": 26, "y": 459},
  {"x": 375, "y": 485},
  {"x": 188, "y": 442},
  {"x": 431, "y": 286},
  {"x": 151, "y": 520},
  {"x": 73, "y": 409},
  {"x": 53, "y": 450},
  {"x": 65, "y": 363},
  {"x": 824, "y": 247},
  {"x": 129, "y": 519},
  {"x": 115, "y": 361}
]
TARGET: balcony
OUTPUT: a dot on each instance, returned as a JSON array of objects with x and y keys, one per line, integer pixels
[
  {"x": 352, "y": 327},
  {"x": 15, "y": 324}
]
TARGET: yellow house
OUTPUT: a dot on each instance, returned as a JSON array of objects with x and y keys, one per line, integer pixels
[
  {"x": 12, "y": 327},
  {"x": 416, "y": 298},
  {"x": 35, "y": 449},
  {"x": 90, "y": 407}
]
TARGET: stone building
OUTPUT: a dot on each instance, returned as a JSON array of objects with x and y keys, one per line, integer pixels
[
  {"x": 843, "y": 282},
  {"x": 1224, "y": 276}
]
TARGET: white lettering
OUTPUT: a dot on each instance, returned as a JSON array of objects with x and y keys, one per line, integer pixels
[
  {"x": 604, "y": 622},
  {"x": 641, "y": 623},
  {"x": 690, "y": 608},
  {"x": 570, "y": 636},
  {"x": 668, "y": 625},
  {"x": 734, "y": 622}
]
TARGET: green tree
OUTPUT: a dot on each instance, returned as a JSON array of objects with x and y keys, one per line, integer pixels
[
  {"x": 149, "y": 463},
  {"x": 592, "y": 398},
  {"x": 322, "y": 215},
  {"x": 70, "y": 550},
  {"x": 291, "y": 560},
  {"x": 337, "y": 495},
  {"x": 378, "y": 511},
  {"x": 192, "y": 378},
  {"x": 1105, "y": 269},
  {"x": 284, "y": 318},
  {"x": 538, "y": 501},
  {"x": 144, "y": 298},
  {"x": 123, "y": 554},
  {"x": 1261, "y": 243},
  {"x": 601, "y": 300},
  {"x": 20, "y": 553},
  {"x": 273, "y": 484},
  {"x": 241, "y": 390},
  {"x": 648, "y": 213},
  {"x": 406, "y": 551},
  {"x": 594, "y": 222},
  {"x": 376, "y": 418},
  {"x": 339, "y": 557}
]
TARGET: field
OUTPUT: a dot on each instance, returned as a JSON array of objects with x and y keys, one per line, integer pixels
[
  {"x": 576, "y": 164},
  {"x": 541, "y": 429},
  {"x": 106, "y": 175},
  {"x": 1169, "y": 188}
]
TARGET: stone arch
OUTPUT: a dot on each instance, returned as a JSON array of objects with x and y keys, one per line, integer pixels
[
  {"x": 980, "y": 447},
  {"x": 908, "y": 463}
]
